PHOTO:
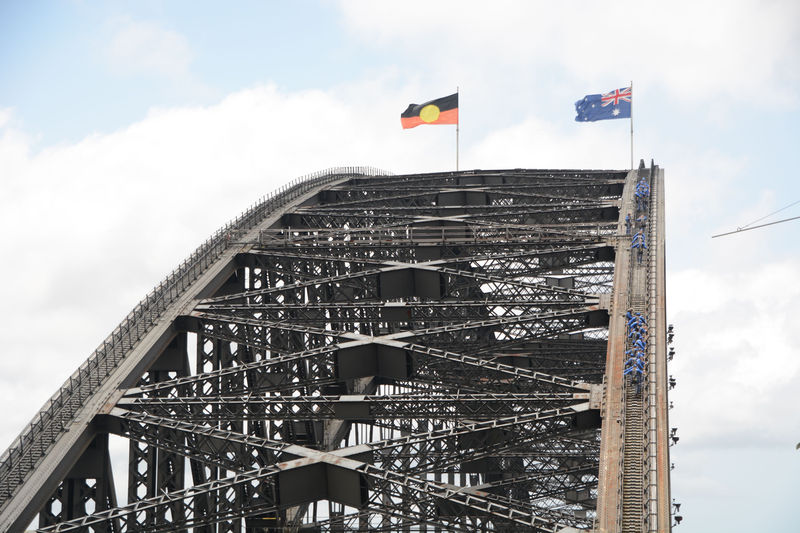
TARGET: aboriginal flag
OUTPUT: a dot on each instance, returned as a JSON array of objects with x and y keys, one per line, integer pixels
[{"x": 440, "y": 111}]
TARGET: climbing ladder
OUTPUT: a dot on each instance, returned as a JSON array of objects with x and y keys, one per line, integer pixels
[{"x": 633, "y": 463}]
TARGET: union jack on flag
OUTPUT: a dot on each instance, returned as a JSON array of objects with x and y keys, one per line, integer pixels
[
  {"x": 614, "y": 104},
  {"x": 614, "y": 97}
]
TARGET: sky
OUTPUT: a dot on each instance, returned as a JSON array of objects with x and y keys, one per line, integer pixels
[{"x": 131, "y": 131}]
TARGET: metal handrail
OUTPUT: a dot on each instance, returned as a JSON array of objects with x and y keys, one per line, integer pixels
[
  {"x": 651, "y": 277},
  {"x": 648, "y": 280},
  {"x": 57, "y": 412}
]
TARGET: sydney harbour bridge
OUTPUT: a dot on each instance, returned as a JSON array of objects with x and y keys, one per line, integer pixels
[{"x": 456, "y": 351}]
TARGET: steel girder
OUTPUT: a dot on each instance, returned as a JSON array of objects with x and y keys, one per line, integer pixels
[{"x": 404, "y": 353}]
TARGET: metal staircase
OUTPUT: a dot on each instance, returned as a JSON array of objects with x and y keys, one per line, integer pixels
[{"x": 633, "y": 464}]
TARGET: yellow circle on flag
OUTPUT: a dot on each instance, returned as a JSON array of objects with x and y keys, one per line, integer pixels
[{"x": 429, "y": 113}]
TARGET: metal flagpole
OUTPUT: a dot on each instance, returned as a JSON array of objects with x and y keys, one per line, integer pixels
[
  {"x": 631, "y": 124},
  {"x": 457, "y": 124}
]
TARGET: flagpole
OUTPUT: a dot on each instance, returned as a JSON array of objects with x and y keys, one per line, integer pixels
[
  {"x": 457, "y": 124},
  {"x": 631, "y": 124}
]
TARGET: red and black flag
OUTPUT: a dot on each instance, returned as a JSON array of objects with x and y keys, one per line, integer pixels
[{"x": 440, "y": 111}]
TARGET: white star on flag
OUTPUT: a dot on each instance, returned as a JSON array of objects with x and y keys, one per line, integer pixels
[{"x": 615, "y": 112}]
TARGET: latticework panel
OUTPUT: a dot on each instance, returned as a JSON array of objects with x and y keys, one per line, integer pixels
[{"x": 404, "y": 353}]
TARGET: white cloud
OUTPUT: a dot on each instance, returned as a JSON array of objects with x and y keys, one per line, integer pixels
[
  {"x": 5, "y": 116},
  {"x": 536, "y": 143},
  {"x": 701, "y": 185},
  {"x": 698, "y": 50},
  {"x": 144, "y": 47},
  {"x": 737, "y": 357}
]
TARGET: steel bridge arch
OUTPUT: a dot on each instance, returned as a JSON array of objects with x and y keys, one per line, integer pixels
[{"x": 438, "y": 352}]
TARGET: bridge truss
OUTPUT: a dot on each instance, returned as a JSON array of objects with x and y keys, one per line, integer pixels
[{"x": 360, "y": 351}]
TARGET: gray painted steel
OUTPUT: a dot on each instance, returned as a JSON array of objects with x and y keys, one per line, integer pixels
[{"x": 369, "y": 352}]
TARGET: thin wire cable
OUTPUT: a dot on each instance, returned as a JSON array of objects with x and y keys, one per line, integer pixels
[
  {"x": 767, "y": 216},
  {"x": 739, "y": 230}
]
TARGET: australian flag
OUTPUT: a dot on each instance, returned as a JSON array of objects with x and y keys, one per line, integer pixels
[{"x": 616, "y": 104}]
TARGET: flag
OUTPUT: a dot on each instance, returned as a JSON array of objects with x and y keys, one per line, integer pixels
[
  {"x": 616, "y": 104},
  {"x": 440, "y": 111}
]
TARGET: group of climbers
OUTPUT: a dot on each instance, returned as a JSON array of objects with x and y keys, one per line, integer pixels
[
  {"x": 641, "y": 223},
  {"x": 642, "y": 193},
  {"x": 638, "y": 242},
  {"x": 636, "y": 352},
  {"x": 636, "y": 355}
]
